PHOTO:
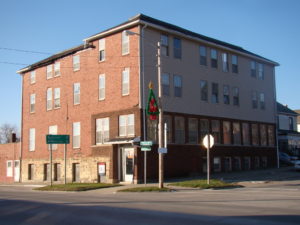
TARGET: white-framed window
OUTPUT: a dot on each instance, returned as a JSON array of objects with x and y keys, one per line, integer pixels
[
  {"x": 32, "y": 103},
  {"x": 177, "y": 86},
  {"x": 226, "y": 97},
  {"x": 101, "y": 49},
  {"x": 76, "y": 62},
  {"x": 102, "y": 130},
  {"x": 125, "y": 81},
  {"x": 9, "y": 168},
  {"x": 262, "y": 102},
  {"x": 214, "y": 58},
  {"x": 177, "y": 48},
  {"x": 164, "y": 40},
  {"x": 125, "y": 43},
  {"x": 49, "y": 99},
  {"x": 31, "y": 139},
  {"x": 57, "y": 69},
  {"x": 56, "y": 98},
  {"x": 32, "y": 77},
  {"x": 166, "y": 84},
  {"x": 260, "y": 71},
  {"x": 253, "y": 68},
  {"x": 126, "y": 125},
  {"x": 101, "y": 86},
  {"x": 49, "y": 71},
  {"x": 76, "y": 93},
  {"x": 52, "y": 130},
  {"x": 234, "y": 64},
  {"x": 203, "y": 55},
  {"x": 225, "y": 64},
  {"x": 76, "y": 135}
]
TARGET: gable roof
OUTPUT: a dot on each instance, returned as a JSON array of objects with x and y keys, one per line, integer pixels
[{"x": 281, "y": 109}]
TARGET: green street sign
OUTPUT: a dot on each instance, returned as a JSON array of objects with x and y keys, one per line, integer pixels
[
  {"x": 146, "y": 143},
  {"x": 57, "y": 139},
  {"x": 146, "y": 148}
]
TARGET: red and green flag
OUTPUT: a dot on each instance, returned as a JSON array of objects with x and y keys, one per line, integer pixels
[{"x": 152, "y": 106}]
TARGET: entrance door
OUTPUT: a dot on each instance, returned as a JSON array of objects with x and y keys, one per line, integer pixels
[
  {"x": 128, "y": 164},
  {"x": 17, "y": 171}
]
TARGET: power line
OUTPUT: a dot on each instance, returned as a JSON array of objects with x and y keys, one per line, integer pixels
[
  {"x": 14, "y": 63},
  {"x": 26, "y": 51}
]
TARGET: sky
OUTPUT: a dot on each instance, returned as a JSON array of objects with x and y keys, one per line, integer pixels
[{"x": 270, "y": 28}]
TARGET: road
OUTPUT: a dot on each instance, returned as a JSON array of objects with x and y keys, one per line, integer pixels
[{"x": 263, "y": 205}]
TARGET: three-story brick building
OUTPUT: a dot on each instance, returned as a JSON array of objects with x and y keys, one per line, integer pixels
[{"x": 97, "y": 93}]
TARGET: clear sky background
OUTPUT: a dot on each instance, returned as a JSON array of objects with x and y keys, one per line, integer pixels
[{"x": 270, "y": 28}]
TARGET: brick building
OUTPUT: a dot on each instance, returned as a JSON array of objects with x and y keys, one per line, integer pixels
[{"x": 96, "y": 92}]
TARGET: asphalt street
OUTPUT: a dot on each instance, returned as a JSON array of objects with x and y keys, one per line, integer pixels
[{"x": 276, "y": 204}]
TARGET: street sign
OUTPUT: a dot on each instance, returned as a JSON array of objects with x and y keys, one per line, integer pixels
[
  {"x": 146, "y": 143},
  {"x": 146, "y": 148},
  {"x": 57, "y": 139},
  {"x": 211, "y": 141},
  {"x": 163, "y": 150}
]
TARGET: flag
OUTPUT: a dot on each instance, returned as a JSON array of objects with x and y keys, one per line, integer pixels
[{"x": 152, "y": 107}]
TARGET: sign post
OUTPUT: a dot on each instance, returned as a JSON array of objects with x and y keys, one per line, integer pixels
[
  {"x": 58, "y": 139},
  {"x": 145, "y": 146},
  {"x": 208, "y": 142}
]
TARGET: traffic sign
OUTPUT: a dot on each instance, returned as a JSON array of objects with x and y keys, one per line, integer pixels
[
  {"x": 211, "y": 141},
  {"x": 163, "y": 150},
  {"x": 146, "y": 143},
  {"x": 146, "y": 148},
  {"x": 57, "y": 139}
]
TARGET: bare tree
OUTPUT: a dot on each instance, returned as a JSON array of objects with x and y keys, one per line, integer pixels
[{"x": 6, "y": 131}]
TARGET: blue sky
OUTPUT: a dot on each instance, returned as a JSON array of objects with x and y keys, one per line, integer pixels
[{"x": 270, "y": 28}]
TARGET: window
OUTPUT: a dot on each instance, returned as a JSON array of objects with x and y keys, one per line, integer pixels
[
  {"x": 125, "y": 81},
  {"x": 247, "y": 163},
  {"x": 226, "y": 94},
  {"x": 204, "y": 90},
  {"x": 262, "y": 101},
  {"x": 56, "y": 98},
  {"x": 214, "y": 58},
  {"x": 126, "y": 125},
  {"x": 49, "y": 71},
  {"x": 31, "y": 139},
  {"x": 177, "y": 48},
  {"x": 253, "y": 68},
  {"x": 125, "y": 43},
  {"x": 260, "y": 71},
  {"x": 102, "y": 130},
  {"x": 168, "y": 121},
  {"x": 30, "y": 171},
  {"x": 57, "y": 169},
  {"x": 9, "y": 168},
  {"x": 204, "y": 128},
  {"x": 152, "y": 129},
  {"x": 263, "y": 135},
  {"x": 76, "y": 93},
  {"x": 203, "y": 55},
  {"x": 49, "y": 98},
  {"x": 177, "y": 86},
  {"x": 164, "y": 40},
  {"x": 76, "y": 135},
  {"x": 225, "y": 64},
  {"x": 254, "y": 100},
  {"x": 57, "y": 69},
  {"x": 264, "y": 162},
  {"x": 166, "y": 84},
  {"x": 102, "y": 49},
  {"x": 226, "y": 132},
  {"x": 236, "y": 163},
  {"x": 179, "y": 130},
  {"x": 46, "y": 171},
  {"x": 217, "y": 164},
  {"x": 52, "y": 130},
  {"x": 32, "y": 103},
  {"x": 236, "y": 133},
  {"x": 236, "y": 96},
  {"x": 76, "y": 62},
  {"x": 32, "y": 77},
  {"x": 215, "y": 129},
  {"x": 291, "y": 123},
  {"x": 271, "y": 137},
  {"x": 193, "y": 130},
  {"x": 214, "y": 93},
  {"x": 102, "y": 87},
  {"x": 234, "y": 64},
  {"x": 246, "y": 136},
  {"x": 254, "y": 134},
  {"x": 256, "y": 162},
  {"x": 227, "y": 164}
]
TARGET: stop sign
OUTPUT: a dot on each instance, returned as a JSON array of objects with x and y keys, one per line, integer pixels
[{"x": 211, "y": 141}]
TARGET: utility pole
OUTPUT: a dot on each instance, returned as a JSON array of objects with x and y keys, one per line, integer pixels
[{"x": 160, "y": 120}]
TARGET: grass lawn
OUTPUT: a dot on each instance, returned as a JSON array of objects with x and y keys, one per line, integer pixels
[
  {"x": 146, "y": 189},
  {"x": 75, "y": 187},
  {"x": 202, "y": 184}
]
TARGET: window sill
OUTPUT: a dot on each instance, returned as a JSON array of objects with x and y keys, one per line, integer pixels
[
  {"x": 76, "y": 148},
  {"x": 57, "y": 108}
]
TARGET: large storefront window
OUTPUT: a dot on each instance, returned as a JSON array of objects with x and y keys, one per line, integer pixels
[
  {"x": 193, "y": 130},
  {"x": 271, "y": 135},
  {"x": 179, "y": 130},
  {"x": 227, "y": 132},
  {"x": 215, "y": 128},
  {"x": 236, "y": 133},
  {"x": 263, "y": 135},
  {"x": 204, "y": 128},
  {"x": 254, "y": 134},
  {"x": 246, "y": 136}
]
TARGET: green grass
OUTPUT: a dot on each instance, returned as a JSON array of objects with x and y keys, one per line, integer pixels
[
  {"x": 146, "y": 189},
  {"x": 202, "y": 184},
  {"x": 76, "y": 187}
]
